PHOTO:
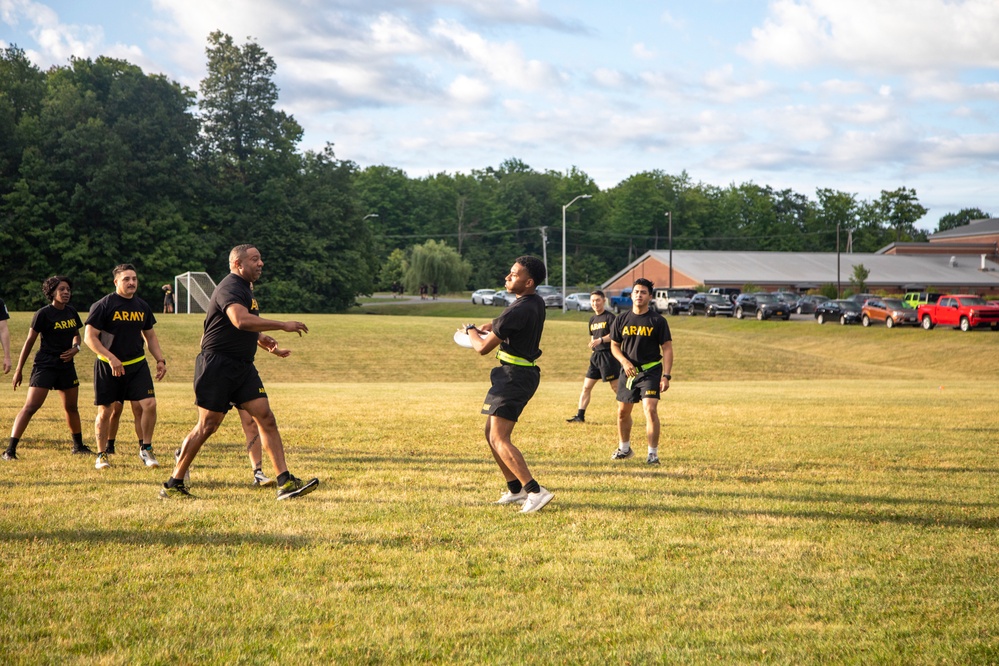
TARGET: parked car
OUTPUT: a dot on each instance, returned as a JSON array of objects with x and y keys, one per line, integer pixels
[
  {"x": 621, "y": 302},
  {"x": 479, "y": 296},
  {"x": 860, "y": 299},
  {"x": 916, "y": 298},
  {"x": 731, "y": 292},
  {"x": 577, "y": 302},
  {"x": 761, "y": 304},
  {"x": 892, "y": 311},
  {"x": 963, "y": 311},
  {"x": 788, "y": 297},
  {"x": 672, "y": 301},
  {"x": 553, "y": 299},
  {"x": 844, "y": 311},
  {"x": 808, "y": 303},
  {"x": 711, "y": 305}
]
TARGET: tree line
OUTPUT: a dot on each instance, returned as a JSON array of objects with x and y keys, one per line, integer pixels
[{"x": 101, "y": 163}]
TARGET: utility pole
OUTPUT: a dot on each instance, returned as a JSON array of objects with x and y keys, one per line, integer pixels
[{"x": 544, "y": 250}]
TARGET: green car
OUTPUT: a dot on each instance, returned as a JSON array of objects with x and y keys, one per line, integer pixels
[{"x": 913, "y": 299}]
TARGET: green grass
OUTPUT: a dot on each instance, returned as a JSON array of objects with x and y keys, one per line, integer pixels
[{"x": 827, "y": 495}]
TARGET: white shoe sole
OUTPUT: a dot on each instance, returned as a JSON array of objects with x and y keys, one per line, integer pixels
[{"x": 541, "y": 503}]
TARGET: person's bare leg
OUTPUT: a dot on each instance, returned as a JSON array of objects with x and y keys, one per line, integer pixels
[
  {"x": 270, "y": 437},
  {"x": 508, "y": 456},
  {"x": 208, "y": 423}
]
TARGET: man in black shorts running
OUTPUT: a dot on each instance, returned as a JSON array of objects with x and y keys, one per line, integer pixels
[
  {"x": 224, "y": 374},
  {"x": 517, "y": 333},
  {"x": 641, "y": 341},
  {"x": 119, "y": 327},
  {"x": 603, "y": 365}
]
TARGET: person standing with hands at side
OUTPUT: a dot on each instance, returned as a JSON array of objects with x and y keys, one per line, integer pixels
[
  {"x": 641, "y": 341},
  {"x": 603, "y": 365},
  {"x": 58, "y": 325},
  {"x": 224, "y": 373},
  {"x": 517, "y": 333},
  {"x": 118, "y": 328},
  {"x": 5, "y": 336}
]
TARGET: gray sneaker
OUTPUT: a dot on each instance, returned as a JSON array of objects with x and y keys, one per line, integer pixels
[
  {"x": 263, "y": 481},
  {"x": 653, "y": 459},
  {"x": 146, "y": 456},
  {"x": 621, "y": 455}
]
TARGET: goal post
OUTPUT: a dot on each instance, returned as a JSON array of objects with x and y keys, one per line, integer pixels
[{"x": 194, "y": 292}]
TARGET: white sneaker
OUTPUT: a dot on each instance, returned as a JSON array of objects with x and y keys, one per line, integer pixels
[
  {"x": 146, "y": 456},
  {"x": 512, "y": 498},
  {"x": 537, "y": 501},
  {"x": 621, "y": 455},
  {"x": 102, "y": 461},
  {"x": 259, "y": 479}
]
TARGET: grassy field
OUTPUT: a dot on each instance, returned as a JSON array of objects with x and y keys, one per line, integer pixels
[{"x": 827, "y": 495}]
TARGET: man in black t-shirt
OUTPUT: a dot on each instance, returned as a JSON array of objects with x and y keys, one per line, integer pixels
[
  {"x": 5, "y": 336},
  {"x": 603, "y": 365},
  {"x": 224, "y": 374},
  {"x": 517, "y": 333},
  {"x": 118, "y": 328},
  {"x": 641, "y": 341}
]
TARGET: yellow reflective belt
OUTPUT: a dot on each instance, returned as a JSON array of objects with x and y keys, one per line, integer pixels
[
  {"x": 641, "y": 369},
  {"x": 514, "y": 360},
  {"x": 132, "y": 362}
]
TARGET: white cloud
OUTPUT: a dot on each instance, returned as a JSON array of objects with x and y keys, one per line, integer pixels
[
  {"x": 467, "y": 90},
  {"x": 878, "y": 34},
  {"x": 722, "y": 85},
  {"x": 642, "y": 52}
]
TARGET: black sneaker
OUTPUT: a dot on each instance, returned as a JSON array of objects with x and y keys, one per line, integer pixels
[
  {"x": 10, "y": 455},
  {"x": 295, "y": 487},
  {"x": 576, "y": 419},
  {"x": 81, "y": 450},
  {"x": 177, "y": 492}
]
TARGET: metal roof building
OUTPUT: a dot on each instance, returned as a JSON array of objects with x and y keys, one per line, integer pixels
[{"x": 801, "y": 271}]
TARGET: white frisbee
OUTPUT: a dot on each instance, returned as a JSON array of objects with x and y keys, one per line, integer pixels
[{"x": 461, "y": 339}]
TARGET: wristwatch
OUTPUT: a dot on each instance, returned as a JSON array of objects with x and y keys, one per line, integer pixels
[{"x": 669, "y": 377}]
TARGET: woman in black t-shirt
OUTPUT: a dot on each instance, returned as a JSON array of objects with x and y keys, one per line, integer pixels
[{"x": 59, "y": 326}]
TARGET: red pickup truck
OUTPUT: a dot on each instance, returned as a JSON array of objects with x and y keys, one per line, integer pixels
[{"x": 962, "y": 311}]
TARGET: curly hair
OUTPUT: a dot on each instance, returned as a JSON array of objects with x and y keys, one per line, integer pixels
[{"x": 51, "y": 284}]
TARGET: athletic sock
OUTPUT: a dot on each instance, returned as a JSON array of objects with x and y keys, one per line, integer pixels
[
  {"x": 110, "y": 443},
  {"x": 283, "y": 478},
  {"x": 654, "y": 451},
  {"x": 12, "y": 447},
  {"x": 624, "y": 446},
  {"x": 173, "y": 483},
  {"x": 532, "y": 486},
  {"x": 514, "y": 486},
  {"x": 581, "y": 414},
  {"x": 143, "y": 445},
  {"x": 77, "y": 440}
]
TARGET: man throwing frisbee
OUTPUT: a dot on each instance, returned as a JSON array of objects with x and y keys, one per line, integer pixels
[
  {"x": 517, "y": 333},
  {"x": 641, "y": 341}
]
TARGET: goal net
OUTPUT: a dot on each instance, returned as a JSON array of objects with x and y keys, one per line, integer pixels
[{"x": 194, "y": 292}]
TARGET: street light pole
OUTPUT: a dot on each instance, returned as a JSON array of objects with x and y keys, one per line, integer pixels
[
  {"x": 669, "y": 214},
  {"x": 581, "y": 196}
]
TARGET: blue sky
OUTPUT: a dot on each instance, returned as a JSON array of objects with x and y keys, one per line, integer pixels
[{"x": 853, "y": 95}]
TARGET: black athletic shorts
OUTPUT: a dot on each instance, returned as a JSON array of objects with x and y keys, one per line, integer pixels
[
  {"x": 646, "y": 385},
  {"x": 512, "y": 388},
  {"x": 604, "y": 366},
  {"x": 55, "y": 379},
  {"x": 221, "y": 382},
  {"x": 136, "y": 384}
]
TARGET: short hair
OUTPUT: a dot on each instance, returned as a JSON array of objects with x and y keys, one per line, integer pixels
[
  {"x": 121, "y": 268},
  {"x": 237, "y": 253},
  {"x": 51, "y": 284},
  {"x": 535, "y": 268},
  {"x": 645, "y": 283},
  {"x": 597, "y": 292}
]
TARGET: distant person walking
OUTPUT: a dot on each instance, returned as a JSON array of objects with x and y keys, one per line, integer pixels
[
  {"x": 119, "y": 327},
  {"x": 168, "y": 300},
  {"x": 641, "y": 341},
  {"x": 5, "y": 336},
  {"x": 224, "y": 373},
  {"x": 517, "y": 333},
  {"x": 58, "y": 325},
  {"x": 603, "y": 365}
]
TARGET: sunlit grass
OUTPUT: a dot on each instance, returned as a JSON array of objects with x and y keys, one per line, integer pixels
[{"x": 821, "y": 499}]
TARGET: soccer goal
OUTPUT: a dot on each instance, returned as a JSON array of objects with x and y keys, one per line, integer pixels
[{"x": 194, "y": 292}]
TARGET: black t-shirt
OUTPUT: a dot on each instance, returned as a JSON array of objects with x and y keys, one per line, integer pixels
[
  {"x": 57, "y": 329},
  {"x": 121, "y": 322},
  {"x": 641, "y": 336},
  {"x": 3, "y": 311},
  {"x": 600, "y": 325},
  {"x": 221, "y": 337},
  {"x": 520, "y": 327}
]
